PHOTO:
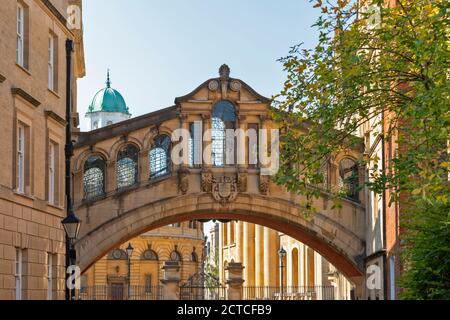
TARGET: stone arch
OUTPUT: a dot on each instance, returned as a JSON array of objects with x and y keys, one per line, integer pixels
[
  {"x": 83, "y": 156},
  {"x": 116, "y": 146},
  {"x": 342, "y": 250}
]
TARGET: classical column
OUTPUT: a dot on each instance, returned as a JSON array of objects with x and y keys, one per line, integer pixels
[
  {"x": 110, "y": 180},
  {"x": 228, "y": 235},
  {"x": 239, "y": 241},
  {"x": 259, "y": 255},
  {"x": 184, "y": 124},
  {"x": 270, "y": 257},
  {"x": 242, "y": 153},
  {"x": 220, "y": 253},
  {"x": 249, "y": 254},
  {"x": 301, "y": 264},
  {"x": 206, "y": 140}
]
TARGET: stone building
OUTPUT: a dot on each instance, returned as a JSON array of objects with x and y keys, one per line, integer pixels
[
  {"x": 301, "y": 270},
  {"x": 32, "y": 121},
  {"x": 108, "y": 278}
]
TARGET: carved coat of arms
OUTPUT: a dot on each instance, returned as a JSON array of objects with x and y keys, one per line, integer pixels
[{"x": 224, "y": 189}]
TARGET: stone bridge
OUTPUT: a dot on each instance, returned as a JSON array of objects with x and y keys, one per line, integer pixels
[{"x": 125, "y": 183}]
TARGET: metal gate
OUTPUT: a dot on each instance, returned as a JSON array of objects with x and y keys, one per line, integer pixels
[{"x": 202, "y": 286}]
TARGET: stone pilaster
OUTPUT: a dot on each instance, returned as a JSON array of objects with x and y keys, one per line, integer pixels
[
  {"x": 234, "y": 281},
  {"x": 249, "y": 253},
  {"x": 171, "y": 280}
]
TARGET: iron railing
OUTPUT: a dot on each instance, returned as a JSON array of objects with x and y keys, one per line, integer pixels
[
  {"x": 289, "y": 293},
  {"x": 120, "y": 292},
  {"x": 203, "y": 293}
]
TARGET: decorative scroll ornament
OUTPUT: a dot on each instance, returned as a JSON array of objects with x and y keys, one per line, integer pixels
[
  {"x": 224, "y": 189},
  {"x": 183, "y": 180},
  {"x": 242, "y": 181},
  {"x": 263, "y": 184},
  {"x": 206, "y": 183}
]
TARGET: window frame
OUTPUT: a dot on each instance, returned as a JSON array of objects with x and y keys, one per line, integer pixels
[
  {"x": 130, "y": 152},
  {"x": 21, "y": 157},
  {"x": 52, "y": 172},
  {"x": 224, "y": 117},
  {"x": 49, "y": 276},
  {"x": 18, "y": 274},
  {"x": 96, "y": 165},
  {"x": 20, "y": 32},
  {"x": 163, "y": 143}
]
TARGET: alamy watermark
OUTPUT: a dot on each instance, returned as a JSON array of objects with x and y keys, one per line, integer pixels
[{"x": 227, "y": 147}]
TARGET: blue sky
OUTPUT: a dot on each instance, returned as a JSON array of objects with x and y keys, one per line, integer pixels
[{"x": 159, "y": 50}]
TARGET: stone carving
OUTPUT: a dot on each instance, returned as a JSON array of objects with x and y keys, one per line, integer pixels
[
  {"x": 213, "y": 85},
  {"x": 206, "y": 183},
  {"x": 235, "y": 85},
  {"x": 224, "y": 71},
  {"x": 183, "y": 180},
  {"x": 242, "y": 181},
  {"x": 224, "y": 189},
  {"x": 264, "y": 184}
]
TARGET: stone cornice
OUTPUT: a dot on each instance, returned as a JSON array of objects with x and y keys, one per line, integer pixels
[
  {"x": 55, "y": 12},
  {"x": 26, "y": 96},
  {"x": 55, "y": 116},
  {"x": 124, "y": 127}
]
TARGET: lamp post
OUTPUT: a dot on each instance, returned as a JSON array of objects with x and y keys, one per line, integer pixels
[
  {"x": 282, "y": 254},
  {"x": 70, "y": 223},
  {"x": 129, "y": 253},
  {"x": 71, "y": 226}
]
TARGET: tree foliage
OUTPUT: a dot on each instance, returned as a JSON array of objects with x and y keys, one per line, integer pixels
[{"x": 385, "y": 68}]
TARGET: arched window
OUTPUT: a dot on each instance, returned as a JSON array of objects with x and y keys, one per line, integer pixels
[
  {"x": 127, "y": 166},
  {"x": 149, "y": 255},
  {"x": 94, "y": 177},
  {"x": 348, "y": 178},
  {"x": 175, "y": 256},
  {"x": 194, "y": 257},
  {"x": 223, "y": 117},
  {"x": 118, "y": 254},
  {"x": 159, "y": 157},
  {"x": 324, "y": 173}
]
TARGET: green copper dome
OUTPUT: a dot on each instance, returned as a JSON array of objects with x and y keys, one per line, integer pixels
[{"x": 108, "y": 100}]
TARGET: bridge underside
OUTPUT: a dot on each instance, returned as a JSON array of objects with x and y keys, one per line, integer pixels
[{"x": 339, "y": 246}]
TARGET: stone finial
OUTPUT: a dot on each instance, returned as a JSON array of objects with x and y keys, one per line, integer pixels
[{"x": 224, "y": 71}]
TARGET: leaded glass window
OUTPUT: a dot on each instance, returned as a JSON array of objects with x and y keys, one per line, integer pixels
[
  {"x": 127, "y": 166},
  {"x": 94, "y": 177},
  {"x": 223, "y": 117},
  {"x": 348, "y": 178},
  {"x": 159, "y": 157}
]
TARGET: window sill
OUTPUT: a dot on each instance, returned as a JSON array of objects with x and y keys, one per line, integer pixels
[
  {"x": 23, "y": 195},
  {"x": 54, "y": 93},
  {"x": 55, "y": 206},
  {"x": 23, "y": 69}
]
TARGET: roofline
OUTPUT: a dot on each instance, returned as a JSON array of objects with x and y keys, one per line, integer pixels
[
  {"x": 88, "y": 138},
  {"x": 190, "y": 95}
]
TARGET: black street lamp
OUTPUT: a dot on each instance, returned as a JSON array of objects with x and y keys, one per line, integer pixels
[
  {"x": 70, "y": 223},
  {"x": 71, "y": 226},
  {"x": 282, "y": 254},
  {"x": 129, "y": 253}
]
